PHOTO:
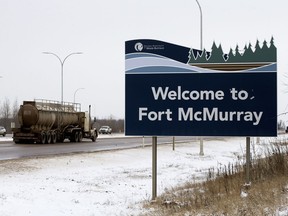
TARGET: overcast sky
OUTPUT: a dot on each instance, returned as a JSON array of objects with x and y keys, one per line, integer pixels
[{"x": 99, "y": 29}]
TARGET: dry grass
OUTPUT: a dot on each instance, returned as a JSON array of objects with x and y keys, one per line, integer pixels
[{"x": 225, "y": 194}]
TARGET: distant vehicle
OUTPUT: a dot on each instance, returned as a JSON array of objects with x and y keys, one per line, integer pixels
[
  {"x": 2, "y": 131},
  {"x": 105, "y": 130},
  {"x": 46, "y": 121}
]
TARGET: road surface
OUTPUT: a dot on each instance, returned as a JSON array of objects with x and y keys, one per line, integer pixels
[{"x": 10, "y": 150}]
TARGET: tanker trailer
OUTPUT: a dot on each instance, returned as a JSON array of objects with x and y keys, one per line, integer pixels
[{"x": 46, "y": 121}]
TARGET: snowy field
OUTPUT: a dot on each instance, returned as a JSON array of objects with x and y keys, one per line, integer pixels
[{"x": 111, "y": 182}]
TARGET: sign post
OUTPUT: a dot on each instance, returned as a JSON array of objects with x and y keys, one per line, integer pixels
[
  {"x": 247, "y": 160},
  {"x": 154, "y": 167}
]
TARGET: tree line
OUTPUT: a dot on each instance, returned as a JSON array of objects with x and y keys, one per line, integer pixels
[
  {"x": 258, "y": 54},
  {"x": 117, "y": 125}
]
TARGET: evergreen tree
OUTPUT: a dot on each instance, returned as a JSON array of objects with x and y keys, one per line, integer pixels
[
  {"x": 191, "y": 56},
  {"x": 257, "y": 52},
  {"x": 272, "y": 51},
  {"x": 230, "y": 56},
  {"x": 202, "y": 58},
  {"x": 265, "y": 55},
  {"x": 272, "y": 43},
  {"x": 265, "y": 47},
  {"x": 248, "y": 55},
  {"x": 237, "y": 57},
  {"x": 257, "y": 47},
  {"x": 194, "y": 54},
  {"x": 216, "y": 54}
]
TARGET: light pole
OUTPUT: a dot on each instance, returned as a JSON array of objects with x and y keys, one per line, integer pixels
[
  {"x": 201, "y": 26},
  {"x": 201, "y": 48},
  {"x": 76, "y": 92},
  {"x": 62, "y": 66}
]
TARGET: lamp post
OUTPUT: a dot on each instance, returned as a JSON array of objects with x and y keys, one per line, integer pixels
[
  {"x": 62, "y": 66},
  {"x": 76, "y": 92},
  {"x": 201, "y": 26},
  {"x": 201, "y": 48}
]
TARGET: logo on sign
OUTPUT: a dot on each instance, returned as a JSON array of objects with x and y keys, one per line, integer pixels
[{"x": 138, "y": 47}]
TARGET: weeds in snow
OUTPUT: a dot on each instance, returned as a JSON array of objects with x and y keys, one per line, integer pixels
[{"x": 223, "y": 192}]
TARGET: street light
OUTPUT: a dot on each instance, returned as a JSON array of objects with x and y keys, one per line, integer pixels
[
  {"x": 76, "y": 92},
  {"x": 62, "y": 65},
  {"x": 201, "y": 48},
  {"x": 201, "y": 26}
]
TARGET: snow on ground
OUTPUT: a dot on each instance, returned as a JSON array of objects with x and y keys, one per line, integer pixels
[{"x": 106, "y": 183}]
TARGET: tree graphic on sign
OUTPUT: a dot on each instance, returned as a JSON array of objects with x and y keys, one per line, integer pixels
[{"x": 237, "y": 60}]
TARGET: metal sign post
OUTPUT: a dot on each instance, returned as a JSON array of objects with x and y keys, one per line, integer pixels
[
  {"x": 154, "y": 167},
  {"x": 247, "y": 160}
]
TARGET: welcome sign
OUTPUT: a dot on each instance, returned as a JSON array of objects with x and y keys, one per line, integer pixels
[{"x": 178, "y": 91}]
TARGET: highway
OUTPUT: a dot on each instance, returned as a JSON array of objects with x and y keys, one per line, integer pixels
[{"x": 10, "y": 150}]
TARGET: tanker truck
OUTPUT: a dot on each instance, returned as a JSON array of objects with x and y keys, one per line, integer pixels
[{"x": 46, "y": 121}]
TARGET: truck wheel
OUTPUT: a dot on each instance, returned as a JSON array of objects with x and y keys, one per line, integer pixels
[
  {"x": 42, "y": 138},
  {"x": 48, "y": 137},
  {"x": 93, "y": 137},
  {"x": 80, "y": 136},
  {"x": 74, "y": 137},
  {"x": 53, "y": 137}
]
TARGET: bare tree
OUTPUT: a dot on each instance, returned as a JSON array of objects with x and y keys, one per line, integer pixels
[
  {"x": 5, "y": 112},
  {"x": 15, "y": 109}
]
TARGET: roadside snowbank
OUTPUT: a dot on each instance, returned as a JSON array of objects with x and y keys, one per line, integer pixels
[{"x": 106, "y": 183}]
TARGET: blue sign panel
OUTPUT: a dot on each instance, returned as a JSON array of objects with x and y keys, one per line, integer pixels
[{"x": 173, "y": 90}]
